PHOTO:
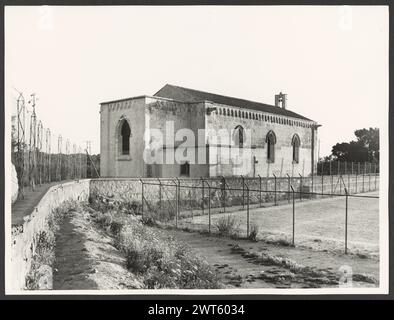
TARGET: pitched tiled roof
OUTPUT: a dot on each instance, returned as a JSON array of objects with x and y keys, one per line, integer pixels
[{"x": 191, "y": 95}]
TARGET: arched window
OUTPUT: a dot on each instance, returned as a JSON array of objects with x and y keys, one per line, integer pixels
[
  {"x": 125, "y": 137},
  {"x": 239, "y": 136},
  {"x": 295, "y": 142},
  {"x": 271, "y": 141}
]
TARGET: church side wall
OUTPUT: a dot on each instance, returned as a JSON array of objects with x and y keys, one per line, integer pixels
[{"x": 257, "y": 147}]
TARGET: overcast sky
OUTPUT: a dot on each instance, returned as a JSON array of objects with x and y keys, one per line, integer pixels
[{"x": 331, "y": 61}]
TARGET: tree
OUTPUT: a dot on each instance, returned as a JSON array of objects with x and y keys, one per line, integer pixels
[
  {"x": 370, "y": 139},
  {"x": 364, "y": 149}
]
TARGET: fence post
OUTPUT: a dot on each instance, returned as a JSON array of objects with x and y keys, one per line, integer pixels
[
  {"x": 293, "y": 214},
  {"x": 356, "y": 181},
  {"x": 340, "y": 185},
  {"x": 352, "y": 173},
  {"x": 209, "y": 208},
  {"x": 346, "y": 219},
  {"x": 376, "y": 174},
  {"x": 202, "y": 195},
  {"x": 274, "y": 189},
  {"x": 332, "y": 185},
  {"x": 224, "y": 194},
  {"x": 260, "y": 189},
  {"x": 247, "y": 215},
  {"x": 288, "y": 187},
  {"x": 159, "y": 193},
  {"x": 332, "y": 178},
  {"x": 322, "y": 180},
  {"x": 369, "y": 177},
  {"x": 190, "y": 203},
  {"x": 142, "y": 198},
  {"x": 243, "y": 192},
  {"x": 310, "y": 195},
  {"x": 363, "y": 176},
  {"x": 178, "y": 185},
  {"x": 300, "y": 186}
]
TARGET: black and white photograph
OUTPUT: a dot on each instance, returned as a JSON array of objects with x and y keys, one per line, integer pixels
[{"x": 205, "y": 150}]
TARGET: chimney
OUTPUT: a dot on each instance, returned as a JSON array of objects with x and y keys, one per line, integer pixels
[{"x": 280, "y": 100}]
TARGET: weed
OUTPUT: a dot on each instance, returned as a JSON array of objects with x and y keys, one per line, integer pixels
[
  {"x": 254, "y": 231},
  {"x": 226, "y": 225},
  {"x": 148, "y": 220},
  {"x": 104, "y": 220}
]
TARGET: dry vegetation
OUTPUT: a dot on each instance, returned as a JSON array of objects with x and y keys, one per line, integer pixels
[
  {"x": 40, "y": 274},
  {"x": 160, "y": 262}
]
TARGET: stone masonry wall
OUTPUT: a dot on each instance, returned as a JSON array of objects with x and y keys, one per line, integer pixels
[
  {"x": 259, "y": 124},
  {"x": 24, "y": 237}
]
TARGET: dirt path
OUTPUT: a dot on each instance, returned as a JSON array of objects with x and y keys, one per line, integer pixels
[
  {"x": 239, "y": 265},
  {"x": 25, "y": 205},
  {"x": 86, "y": 258}
]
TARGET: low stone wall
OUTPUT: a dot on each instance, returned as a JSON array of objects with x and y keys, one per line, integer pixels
[
  {"x": 192, "y": 192},
  {"x": 24, "y": 238}
]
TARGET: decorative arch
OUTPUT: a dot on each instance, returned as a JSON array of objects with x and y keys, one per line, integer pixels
[
  {"x": 296, "y": 142},
  {"x": 239, "y": 136},
  {"x": 270, "y": 139}
]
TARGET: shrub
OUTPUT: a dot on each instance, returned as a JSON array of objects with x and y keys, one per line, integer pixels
[
  {"x": 104, "y": 220},
  {"x": 148, "y": 220},
  {"x": 254, "y": 231},
  {"x": 44, "y": 255},
  {"x": 161, "y": 262},
  {"x": 115, "y": 227},
  {"x": 132, "y": 207},
  {"x": 135, "y": 260},
  {"x": 226, "y": 225}
]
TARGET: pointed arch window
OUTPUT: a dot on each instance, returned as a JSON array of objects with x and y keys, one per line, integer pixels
[
  {"x": 239, "y": 136},
  {"x": 124, "y": 137},
  {"x": 295, "y": 142},
  {"x": 271, "y": 141}
]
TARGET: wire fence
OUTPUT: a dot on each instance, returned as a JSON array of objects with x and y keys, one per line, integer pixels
[
  {"x": 40, "y": 159},
  {"x": 269, "y": 207},
  {"x": 335, "y": 167}
]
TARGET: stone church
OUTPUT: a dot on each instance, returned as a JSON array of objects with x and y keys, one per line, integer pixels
[{"x": 137, "y": 136}]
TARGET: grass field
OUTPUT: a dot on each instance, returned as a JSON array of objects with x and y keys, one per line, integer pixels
[{"x": 319, "y": 223}]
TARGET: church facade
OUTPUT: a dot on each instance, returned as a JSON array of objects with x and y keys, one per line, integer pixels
[{"x": 181, "y": 132}]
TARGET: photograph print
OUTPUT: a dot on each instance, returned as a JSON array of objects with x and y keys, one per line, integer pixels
[{"x": 196, "y": 150}]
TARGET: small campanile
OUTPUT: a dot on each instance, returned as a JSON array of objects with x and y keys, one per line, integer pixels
[{"x": 281, "y": 100}]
